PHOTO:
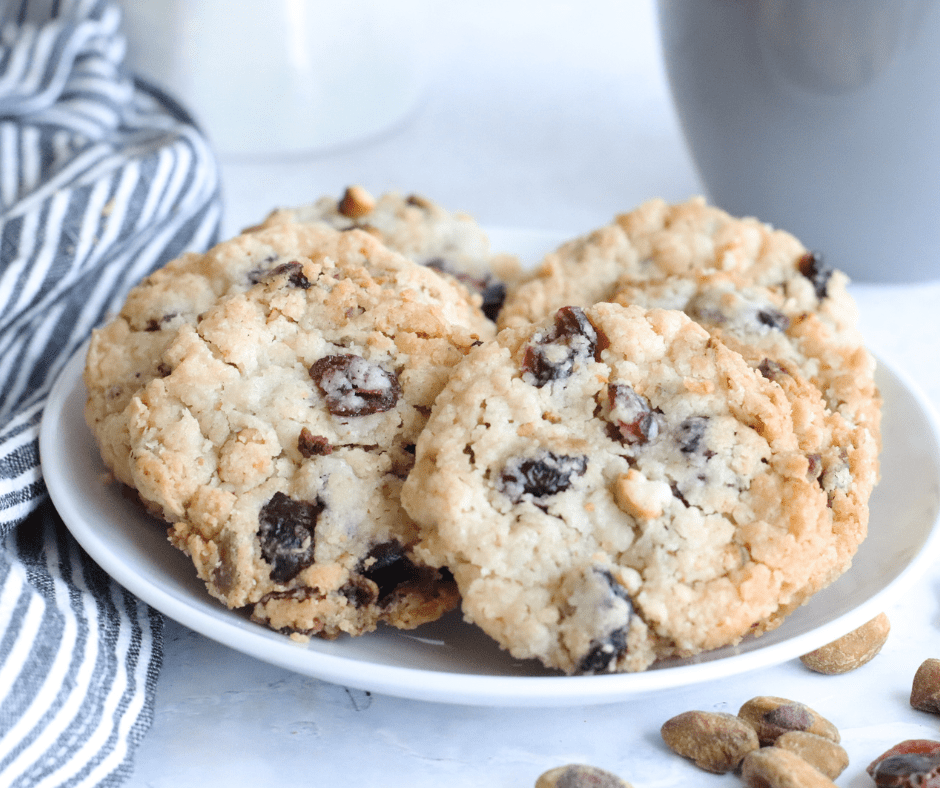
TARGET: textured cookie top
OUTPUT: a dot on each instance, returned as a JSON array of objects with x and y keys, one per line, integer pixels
[
  {"x": 127, "y": 353},
  {"x": 421, "y": 230},
  {"x": 281, "y": 427},
  {"x": 756, "y": 287},
  {"x": 763, "y": 323},
  {"x": 613, "y": 485},
  {"x": 659, "y": 240}
]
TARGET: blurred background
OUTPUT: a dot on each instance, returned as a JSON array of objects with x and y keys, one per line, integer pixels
[{"x": 548, "y": 114}]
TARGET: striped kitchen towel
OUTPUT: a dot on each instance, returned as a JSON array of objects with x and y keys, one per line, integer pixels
[{"x": 102, "y": 179}]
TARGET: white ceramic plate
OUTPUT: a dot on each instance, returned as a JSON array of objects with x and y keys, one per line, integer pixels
[{"x": 450, "y": 661}]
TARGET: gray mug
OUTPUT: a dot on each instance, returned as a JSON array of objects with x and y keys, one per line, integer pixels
[{"x": 821, "y": 117}]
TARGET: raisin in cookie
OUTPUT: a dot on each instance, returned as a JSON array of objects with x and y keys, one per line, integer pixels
[
  {"x": 127, "y": 353},
  {"x": 613, "y": 486},
  {"x": 277, "y": 434},
  {"x": 421, "y": 230}
]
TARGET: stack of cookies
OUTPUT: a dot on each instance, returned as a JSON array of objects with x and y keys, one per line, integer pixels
[{"x": 669, "y": 444}]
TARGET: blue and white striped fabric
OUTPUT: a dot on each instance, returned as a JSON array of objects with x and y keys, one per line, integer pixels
[{"x": 102, "y": 179}]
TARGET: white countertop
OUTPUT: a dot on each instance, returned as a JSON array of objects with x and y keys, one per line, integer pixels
[{"x": 547, "y": 116}]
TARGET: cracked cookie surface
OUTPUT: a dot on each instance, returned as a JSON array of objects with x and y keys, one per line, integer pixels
[
  {"x": 127, "y": 353},
  {"x": 754, "y": 284},
  {"x": 277, "y": 431},
  {"x": 613, "y": 485},
  {"x": 759, "y": 291}
]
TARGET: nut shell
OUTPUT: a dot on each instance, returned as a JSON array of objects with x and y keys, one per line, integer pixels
[
  {"x": 774, "y": 767},
  {"x": 714, "y": 741},
  {"x": 851, "y": 651},
  {"x": 818, "y": 751},
  {"x": 577, "y": 775},
  {"x": 925, "y": 692},
  {"x": 772, "y": 716}
]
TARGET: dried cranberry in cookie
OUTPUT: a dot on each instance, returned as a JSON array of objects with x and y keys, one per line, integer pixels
[
  {"x": 287, "y": 535},
  {"x": 278, "y": 438},
  {"x": 652, "y": 501},
  {"x": 597, "y": 605},
  {"x": 631, "y": 415},
  {"x": 539, "y": 476},
  {"x": 814, "y": 268}
]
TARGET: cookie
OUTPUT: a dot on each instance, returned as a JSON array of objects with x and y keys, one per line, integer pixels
[
  {"x": 127, "y": 353},
  {"x": 658, "y": 240},
  {"x": 760, "y": 292},
  {"x": 281, "y": 424},
  {"x": 765, "y": 323},
  {"x": 421, "y": 230},
  {"x": 738, "y": 276},
  {"x": 828, "y": 378},
  {"x": 613, "y": 485}
]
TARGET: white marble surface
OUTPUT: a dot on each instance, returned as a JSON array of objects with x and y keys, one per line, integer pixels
[{"x": 550, "y": 115}]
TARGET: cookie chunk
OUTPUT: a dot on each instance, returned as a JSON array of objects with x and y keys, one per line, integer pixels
[
  {"x": 421, "y": 230},
  {"x": 613, "y": 485},
  {"x": 128, "y": 352},
  {"x": 276, "y": 436}
]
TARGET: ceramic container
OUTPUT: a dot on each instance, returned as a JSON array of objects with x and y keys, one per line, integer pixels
[{"x": 821, "y": 117}]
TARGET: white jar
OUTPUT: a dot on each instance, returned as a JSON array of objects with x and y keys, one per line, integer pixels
[{"x": 269, "y": 77}]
